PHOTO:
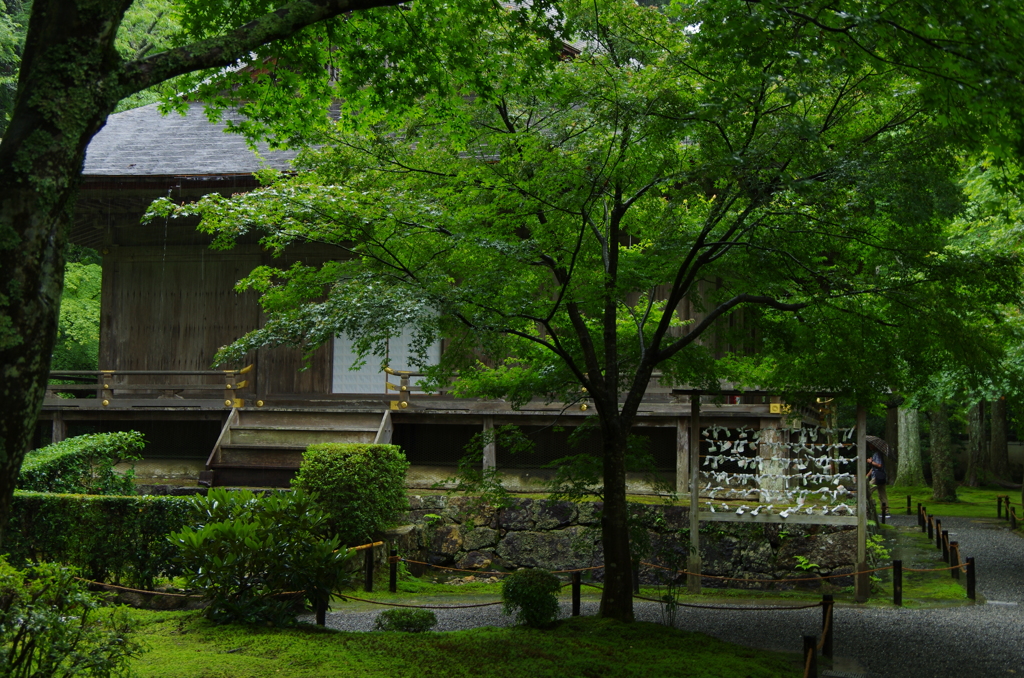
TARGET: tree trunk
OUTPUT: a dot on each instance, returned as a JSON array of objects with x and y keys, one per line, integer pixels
[
  {"x": 58, "y": 109},
  {"x": 999, "y": 451},
  {"x": 910, "y": 472},
  {"x": 617, "y": 594},
  {"x": 976, "y": 444},
  {"x": 892, "y": 435},
  {"x": 943, "y": 478}
]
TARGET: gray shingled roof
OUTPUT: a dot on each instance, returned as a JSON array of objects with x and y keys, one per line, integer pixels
[{"x": 142, "y": 142}]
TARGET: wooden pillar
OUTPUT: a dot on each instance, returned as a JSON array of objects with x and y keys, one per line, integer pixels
[
  {"x": 862, "y": 582},
  {"x": 60, "y": 428},
  {"x": 694, "y": 562},
  {"x": 491, "y": 448},
  {"x": 682, "y": 456}
]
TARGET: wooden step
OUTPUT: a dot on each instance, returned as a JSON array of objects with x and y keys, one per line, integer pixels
[
  {"x": 305, "y": 435},
  {"x": 250, "y": 417}
]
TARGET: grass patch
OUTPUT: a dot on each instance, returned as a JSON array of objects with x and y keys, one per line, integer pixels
[
  {"x": 973, "y": 502},
  {"x": 185, "y": 645}
]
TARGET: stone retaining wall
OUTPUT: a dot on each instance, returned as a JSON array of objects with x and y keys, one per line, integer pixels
[{"x": 450, "y": 531}]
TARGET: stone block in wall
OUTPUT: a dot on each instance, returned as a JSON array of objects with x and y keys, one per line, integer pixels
[
  {"x": 432, "y": 502},
  {"x": 676, "y": 518},
  {"x": 757, "y": 557},
  {"x": 553, "y": 515},
  {"x": 558, "y": 550},
  {"x": 444, "y": 542},
  {"x": 589, "y": 512},
  {"x": 420, "y": 515},
  {"x": 476, "y": 560},
  {"x": 517, "y": 517},
  {"x": 827, "y": 550},
  {"x": 480, "y": 537}
]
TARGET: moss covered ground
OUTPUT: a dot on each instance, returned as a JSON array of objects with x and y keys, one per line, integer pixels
[
  {"x": 972, "y": 502},
  {"x": 185, "y": 645}
]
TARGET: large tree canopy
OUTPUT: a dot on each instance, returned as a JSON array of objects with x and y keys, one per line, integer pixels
[
  {"x": 72, "y": 75},
  {"x": 800, "y": 197}
]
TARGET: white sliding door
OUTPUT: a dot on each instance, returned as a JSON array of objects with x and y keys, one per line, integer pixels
[{"x": 370, "y": 378}]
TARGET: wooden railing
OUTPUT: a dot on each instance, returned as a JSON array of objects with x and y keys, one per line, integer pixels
[{"x": 106, "y": 386}]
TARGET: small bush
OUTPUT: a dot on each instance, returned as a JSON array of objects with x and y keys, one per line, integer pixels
[
  {"x": 410, "y": 621},
  {"x": 83, "y": 464},
  {"x": 250, "y": 549},
  {"x": 112, "y": 539},
  {"x": 361, "y": 487},
  {"x": 532, "y": 595},
  {"x": 50, "y": 627}
]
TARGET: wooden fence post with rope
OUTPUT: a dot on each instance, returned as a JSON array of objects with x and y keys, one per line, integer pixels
[
  {"x": 897, "y": 583},
  {"x": 827, "y": 608},
  {"x": 971, "y": 592},
  {"x": 810, "y": 657},
  {"x": 393, "y": 571}
]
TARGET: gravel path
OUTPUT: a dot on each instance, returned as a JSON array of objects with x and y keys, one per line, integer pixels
[{"x": 985, "y": 640}]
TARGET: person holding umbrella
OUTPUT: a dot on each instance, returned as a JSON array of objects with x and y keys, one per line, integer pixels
[{"x": 877, "y": 470}]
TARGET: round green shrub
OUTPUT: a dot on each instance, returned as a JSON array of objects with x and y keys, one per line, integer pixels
[
  {"x": 410, "y": 621},
  {"x": 249, "y": 550},
  {"x": 360, "y": 487},
  {"x": 532, "y": 595}
]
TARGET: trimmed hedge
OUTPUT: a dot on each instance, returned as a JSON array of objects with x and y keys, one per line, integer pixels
[
  {"x": 83, "y": 464},
  {"x": 112, "y": 539},
  {"x": 360, "y": 486}
]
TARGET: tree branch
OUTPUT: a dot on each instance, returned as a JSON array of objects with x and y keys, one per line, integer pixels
[{"x": 225, "y": 49}]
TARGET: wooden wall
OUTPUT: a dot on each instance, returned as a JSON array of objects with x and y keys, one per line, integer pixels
[{"x": 172, "y": 308}]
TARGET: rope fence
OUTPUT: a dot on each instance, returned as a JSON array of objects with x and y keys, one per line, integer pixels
[{"x": 812, "y": 644}]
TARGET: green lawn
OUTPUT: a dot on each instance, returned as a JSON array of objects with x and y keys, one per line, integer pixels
[
  {"x": 185, "y": 645},
  {"x": 973, "y": 502}
]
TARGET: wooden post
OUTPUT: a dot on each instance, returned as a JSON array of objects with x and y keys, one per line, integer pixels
[
  {"x": 368, "y": 568},
  {"x": 321, "y": 612},
  {"x": 575, "y": 594},
  {"x": 827, "y": 624},
  {"x": 636, "y": 579},
  {"x": 999, "y": 506},
  {"x": 491, "y": 448},
  {"x": 920, "y": 515},
  {"x": 938, "y": 534},
  {"x": 393, "y": 571},
  {"x": 862, "y": 584},
  {"x": 954, "y": 558},
  {"x": 945, "y": 546},
  {"x": 810, "y": 657},
  {"x": 60, "y": 428},
  {"x": 930, "y": 520},
  {"x": 908, "y": 504},
  {"x": 682, "y": 456},
  {"x": 897, "y": 582},
  {"x": 693, "y": 563},
  {"x": 1013, "y": 518},
  {"x": 971, "y": 582}
]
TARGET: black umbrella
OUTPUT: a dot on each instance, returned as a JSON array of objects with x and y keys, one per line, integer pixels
[{"x": 878, "y": 444}]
